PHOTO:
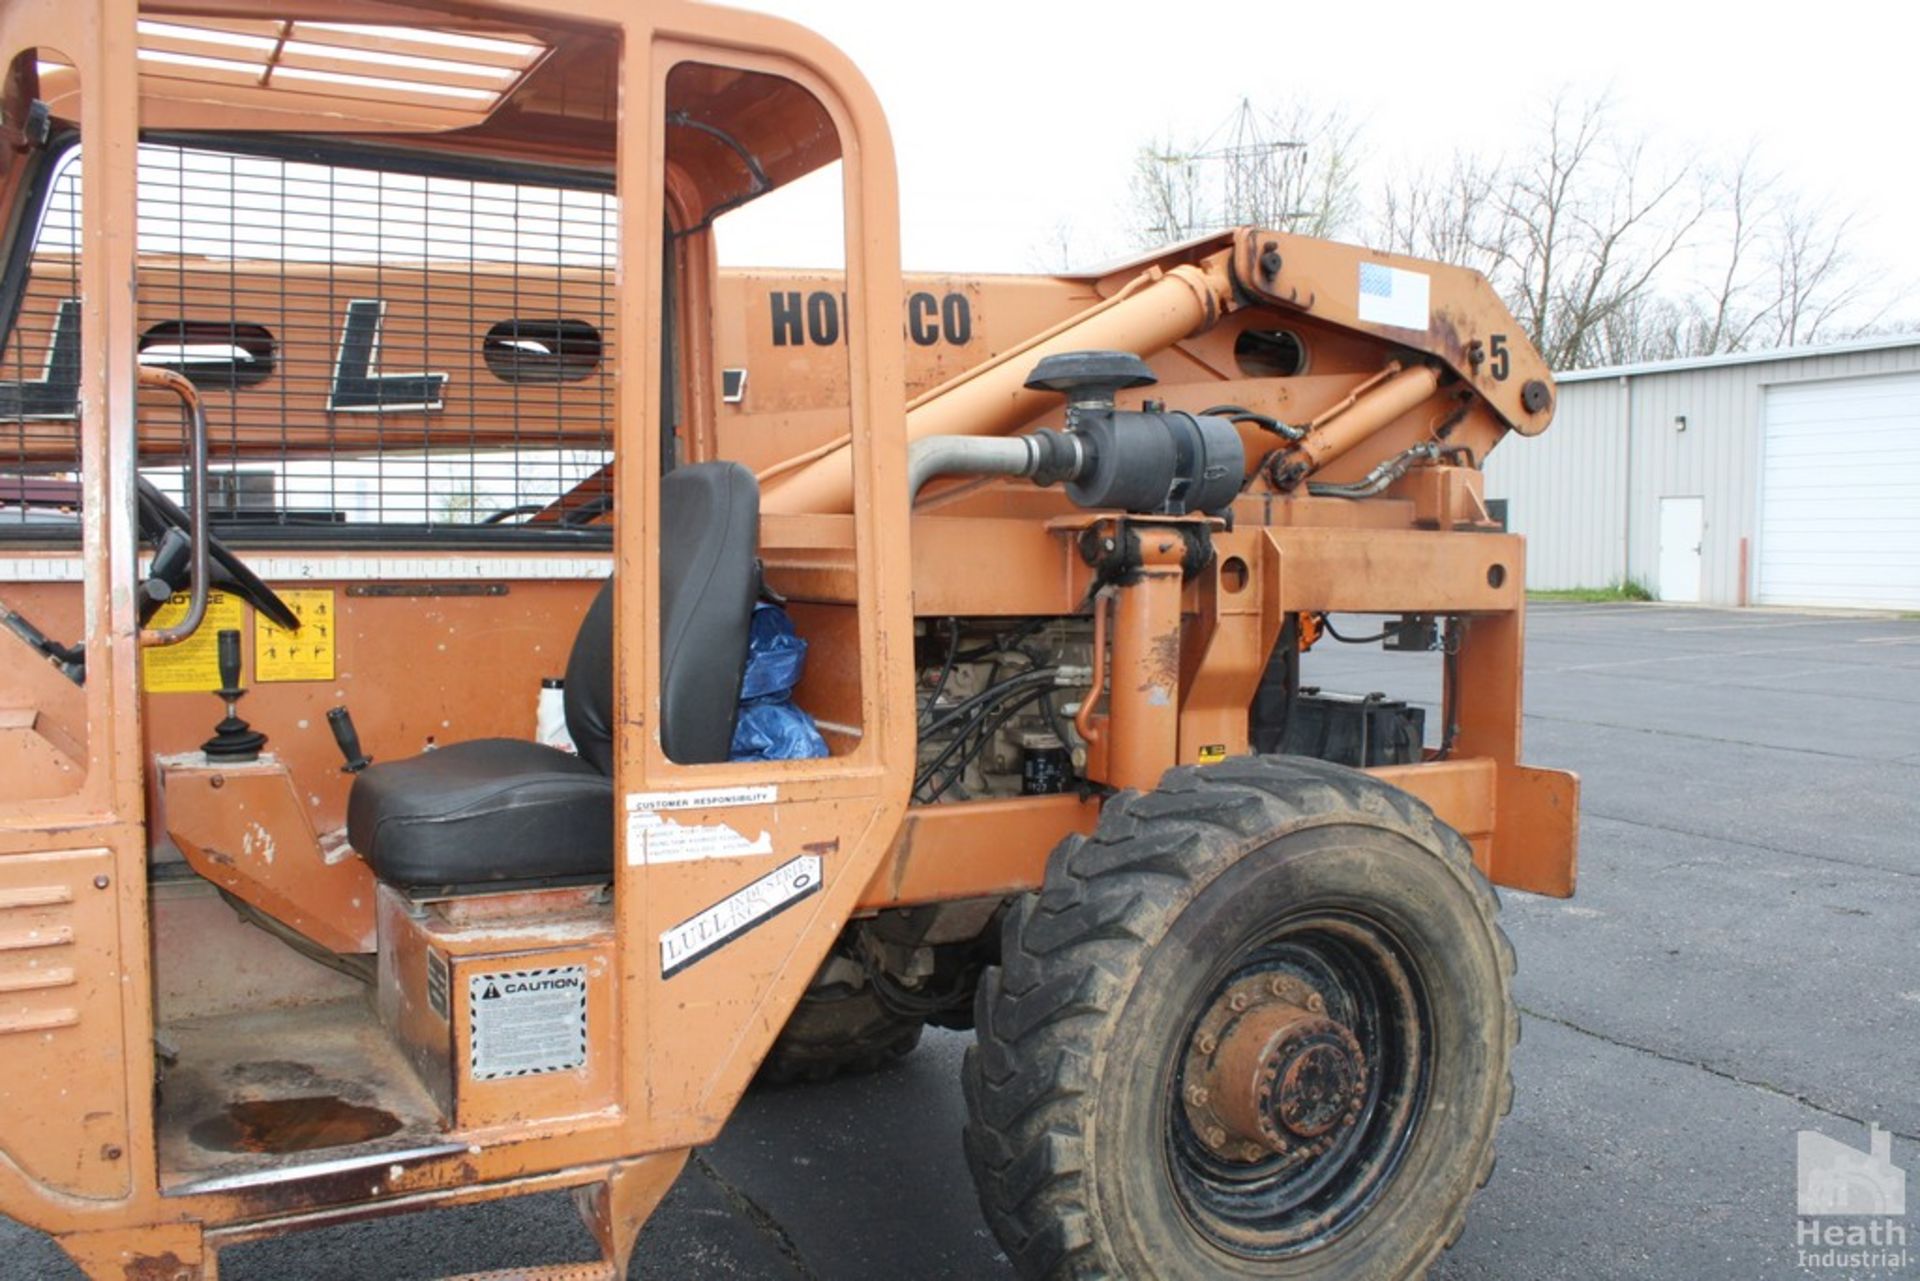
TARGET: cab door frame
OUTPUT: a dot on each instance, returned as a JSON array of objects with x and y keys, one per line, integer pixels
[
  {"x": 73, "y": 868},
  {"x": 695, "y": 1034}
]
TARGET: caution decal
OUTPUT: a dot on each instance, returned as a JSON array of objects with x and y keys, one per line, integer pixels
[{"x": 525, "y": 1022}]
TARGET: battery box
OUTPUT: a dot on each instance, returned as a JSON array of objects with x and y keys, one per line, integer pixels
[{"x": 1360, "y": 730}]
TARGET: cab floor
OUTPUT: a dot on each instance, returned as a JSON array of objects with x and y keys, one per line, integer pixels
[{"x": 276, "y": 1090}]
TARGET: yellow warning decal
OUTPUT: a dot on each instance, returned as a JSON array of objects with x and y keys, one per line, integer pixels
[
  {"x": 192, "y": 666},
  {"x": 1213, "y": 753},
  {"x": 305, "y": 655}
]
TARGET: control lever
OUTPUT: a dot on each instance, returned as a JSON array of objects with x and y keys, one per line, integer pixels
[
  {"x": 233, "y": 739},
  {"x": 71, "y": 660},
  {"x": 340, "y": 720},
  {"x": 170, "y": 570}
]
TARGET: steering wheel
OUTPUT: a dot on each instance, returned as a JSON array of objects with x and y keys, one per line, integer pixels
[{"x": 160, "y": 515}]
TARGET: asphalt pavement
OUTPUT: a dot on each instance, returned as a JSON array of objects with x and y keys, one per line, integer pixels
[{"x": 1742, "y": 962}]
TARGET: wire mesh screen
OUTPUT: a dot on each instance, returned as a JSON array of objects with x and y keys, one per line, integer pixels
[
  {"x": 374, "y": 347},
  {"x": 40, "y": 372}
]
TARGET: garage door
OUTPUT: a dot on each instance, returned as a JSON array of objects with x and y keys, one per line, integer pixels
[{"x": 1840, "y": 494}]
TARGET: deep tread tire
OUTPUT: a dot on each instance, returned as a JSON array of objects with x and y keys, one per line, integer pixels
[
  {"x": 838, "y": 1032},
  {"x": 1072, "y": 1179}
]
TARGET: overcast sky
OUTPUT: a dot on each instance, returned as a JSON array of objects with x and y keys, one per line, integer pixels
[{"x": 1011, "y": 118}]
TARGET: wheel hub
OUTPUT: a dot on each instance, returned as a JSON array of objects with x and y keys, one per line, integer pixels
[{"x": 1269, "y": 1073}]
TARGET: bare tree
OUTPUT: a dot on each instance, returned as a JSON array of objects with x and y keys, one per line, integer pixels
[
  {"x": 1449, "y": 215},
  {"x": 1726, "y": 318},
  {"x": 1607, "y": 248},
  {"x": 1594, "y": 224},
  {"x": 1817, "y": 279},
  {"x": 1295, "y": 169},
  {"x": 1784, "y": 270},
  {"x": 1053, "y": 252}
]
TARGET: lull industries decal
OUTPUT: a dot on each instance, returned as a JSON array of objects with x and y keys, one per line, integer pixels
[{"x": 739, "y": 912}]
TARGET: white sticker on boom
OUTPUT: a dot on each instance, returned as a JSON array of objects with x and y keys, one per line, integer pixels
[
  {"x": 525, "y": 1022},
  {"x": 1390, "y": 296},
  {"x": 734, "y": 915},
  {"x": 654, "y": 838}
]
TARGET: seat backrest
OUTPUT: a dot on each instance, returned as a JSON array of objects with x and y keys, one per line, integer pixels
[{"x": 709, "y": 580}]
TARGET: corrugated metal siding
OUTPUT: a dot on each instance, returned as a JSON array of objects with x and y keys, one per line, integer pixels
[
  {"x": 1587, "y": 492},
  {"x": 1566, "y": 489}
]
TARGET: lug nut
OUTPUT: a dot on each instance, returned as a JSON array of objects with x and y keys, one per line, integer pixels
[
  {"x": 1237, "y": 1002},
  {"x": 1197, "y": 1095},
  {"x": 1317, "y": 1003},
  {"x": 1208, "y": 1044},
  {"x": 1215, "y": 1136}
]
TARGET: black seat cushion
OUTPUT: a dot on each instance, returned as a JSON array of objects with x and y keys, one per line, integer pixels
[
  {"x": 709, "y": 580},
  {"x": 588, "y": 697},
  {"x": 492, "y": 809},
  {"x": 501, "y": 809}
]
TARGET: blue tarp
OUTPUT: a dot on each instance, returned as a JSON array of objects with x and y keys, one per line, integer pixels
[{"x": 770, "y": 727}]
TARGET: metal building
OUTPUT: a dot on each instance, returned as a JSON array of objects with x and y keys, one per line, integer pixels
[{"x": 1787, "y": 477}]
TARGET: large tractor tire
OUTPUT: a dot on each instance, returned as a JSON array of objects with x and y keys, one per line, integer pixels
[
  {"x": 839, "y": 1028},
  {"x": 1258, "y": 1025}
]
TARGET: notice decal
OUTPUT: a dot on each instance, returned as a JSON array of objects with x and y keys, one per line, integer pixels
[
  {"x": 655, "y": 837},
  {"x": 192, "y": 666},
  {"x": 743, "y": 910},
  {"x": 702, "y": 798}
]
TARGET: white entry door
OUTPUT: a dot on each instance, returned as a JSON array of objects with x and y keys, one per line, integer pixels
[{"x": 1683, "y": 523}]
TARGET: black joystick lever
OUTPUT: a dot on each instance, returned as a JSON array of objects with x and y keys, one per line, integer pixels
[
  {"x": 341, "y": 721},
  {"x": 233, "y": 739}
]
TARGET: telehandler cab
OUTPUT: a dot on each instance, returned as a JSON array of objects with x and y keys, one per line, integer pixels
[{"x": 484, "y": 683}]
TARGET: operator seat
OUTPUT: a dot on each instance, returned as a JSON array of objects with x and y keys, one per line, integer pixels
[{"x": 509, "y": 810}]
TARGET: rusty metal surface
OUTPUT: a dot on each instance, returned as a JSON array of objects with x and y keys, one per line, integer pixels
[
  {"x": 263, "y": 1092},
  {"x": 244, "y": 828},
  {"x": 60, "y": 1023},
  {"x": 1143, "y": 680},
  {"x": 546, "y": 1272},
  {"x": 42, "y": 761},
  {"x": 207, "y": 961},
  {"x": 985, "y": 847},
  {"x": 675, "y": 1046},
  {"x": 1268, "y": 1073}
]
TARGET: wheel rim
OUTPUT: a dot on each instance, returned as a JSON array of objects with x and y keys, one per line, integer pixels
[{"x": 1298, "y": 1085}]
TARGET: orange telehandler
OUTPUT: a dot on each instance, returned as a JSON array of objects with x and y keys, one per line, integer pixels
[{"x": 486, "y": 682}]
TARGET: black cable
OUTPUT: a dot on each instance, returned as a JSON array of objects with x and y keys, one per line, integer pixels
[
  {"x": 1004, "y": 642},
  {"x": 980, "y": 734},
  {"x": 1241, "y": 414},
  {"x": 960, "y": 710},
  {"x": 1326, "y": 624},
  {"x": 978, "y": 738},
  {"x": 1449, "y": 691},
  {"x": 907, "y": 1003},
  {"x": 946, "y": 669},
  {"x": 967, "y": 716}
]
